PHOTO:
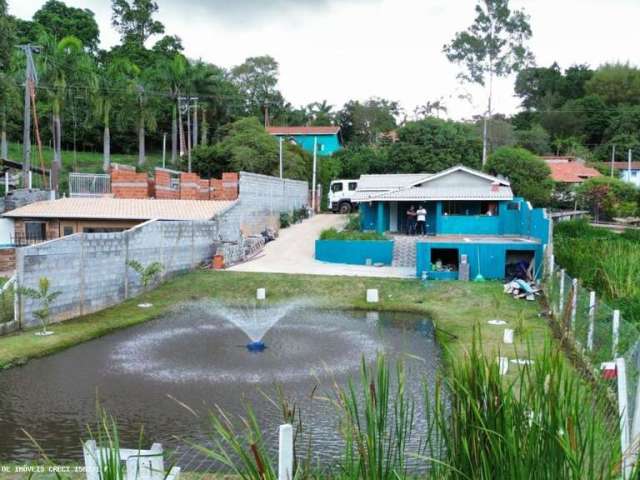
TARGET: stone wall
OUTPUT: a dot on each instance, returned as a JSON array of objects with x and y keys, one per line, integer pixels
[{"x": 90, "y": 269}]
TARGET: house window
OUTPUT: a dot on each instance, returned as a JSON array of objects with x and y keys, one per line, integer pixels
[
  {"x": 513, "y": 206},
  {"x": 35, "y": 231},
  {"x": 336, "y": 187},
  {"x": 67, "y": 231},
  {"x": 452, "y": 207},
  {"x": 353, "y": 186}
]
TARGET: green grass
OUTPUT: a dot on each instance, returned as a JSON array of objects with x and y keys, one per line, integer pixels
[
  {"x": 454, "y": 306},
  {"x": 85, "y": 162}
]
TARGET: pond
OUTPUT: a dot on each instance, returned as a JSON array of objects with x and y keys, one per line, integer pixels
[{"x": 196, "y": 356}]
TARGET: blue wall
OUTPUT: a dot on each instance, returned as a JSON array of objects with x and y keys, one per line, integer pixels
[
  {"x": 490, "y": 257},
  {"x": 327, "y": 144},
  {"x": 521, "y": 221},
  {"x": 355, "y": 252}
]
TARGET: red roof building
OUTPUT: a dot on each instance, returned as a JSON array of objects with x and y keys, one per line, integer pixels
[{"x": 569, "y": 170}]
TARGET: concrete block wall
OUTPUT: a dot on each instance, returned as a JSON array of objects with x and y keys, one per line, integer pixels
[
  {"x": 90, "y": 269},
  {"x": 261, "y": 199}
]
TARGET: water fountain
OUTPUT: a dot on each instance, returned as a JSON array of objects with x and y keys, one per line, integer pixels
[{"x": 256, "y": 320}]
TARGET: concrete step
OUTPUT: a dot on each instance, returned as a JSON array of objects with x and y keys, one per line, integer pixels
[{"x": 404, "y": 251}]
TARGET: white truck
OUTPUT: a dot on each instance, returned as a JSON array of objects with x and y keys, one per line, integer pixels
[{"x": 340, "y": 192}]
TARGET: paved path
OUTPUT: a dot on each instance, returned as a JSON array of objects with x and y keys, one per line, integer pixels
[{"x": 293, "y": 252}]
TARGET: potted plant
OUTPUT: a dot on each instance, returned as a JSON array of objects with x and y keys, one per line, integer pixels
[{"x": 45, "y": 297}]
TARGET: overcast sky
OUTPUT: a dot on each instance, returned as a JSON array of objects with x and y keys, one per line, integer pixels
[{"x": 354, "y": 49}]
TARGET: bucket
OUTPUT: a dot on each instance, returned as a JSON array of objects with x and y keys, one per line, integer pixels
[{"x": 218, "y": 262}]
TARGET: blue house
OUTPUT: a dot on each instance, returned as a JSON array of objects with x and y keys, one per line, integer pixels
[
  {"x": 471, "y": 216},
  {"x": 328, "y": 138}
]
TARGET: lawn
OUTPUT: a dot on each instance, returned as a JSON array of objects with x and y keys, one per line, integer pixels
[
  {"x": 85, "y": 162},
  {"x": 455, "y": 308}
]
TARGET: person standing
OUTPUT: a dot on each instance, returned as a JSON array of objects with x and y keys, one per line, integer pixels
[
  {"x": 421, "y": 216},
  {"x": 411, "y": 220}
]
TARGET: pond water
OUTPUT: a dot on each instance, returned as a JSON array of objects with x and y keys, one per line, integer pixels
[{"x": 196, "y": 356}]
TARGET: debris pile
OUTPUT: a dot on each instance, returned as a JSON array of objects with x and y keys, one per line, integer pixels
[{"x": 519, "y": 288}]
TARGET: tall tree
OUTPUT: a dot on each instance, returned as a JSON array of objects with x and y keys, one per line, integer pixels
[
  {"x": 320, "y": 113},
  {"x": 134, "y": 20},
  {"x": 362, "y": 123},
  {"x": 62, "y": 61},
  {"x": 173, "y": 74},
  {"x": 60, "y": 20},
  {"x": 257, "y": 79},
  {"x": 616, "y": 84},
  {"x": 145, "y": 113},
  {"x": 493, "y": 46},
  {"x": 7, "y": 42},
  {"x": 115, "y": 83}
]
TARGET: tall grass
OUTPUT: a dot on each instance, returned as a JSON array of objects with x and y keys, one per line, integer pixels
[
  {"x": 604, "y": 261},
  {"x": 544, "y": 423}
]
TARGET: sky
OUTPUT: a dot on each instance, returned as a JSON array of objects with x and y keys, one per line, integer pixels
[{"x": 338, "y": 50}]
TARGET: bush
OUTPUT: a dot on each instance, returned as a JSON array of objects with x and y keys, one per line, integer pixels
[
  {"x": 333, "y": 234},
  {"x": 528, "y": 174},
  {"x": 285, "y": 220},
  {"x": 608, "y": 197},
  {"x": 353, "y": 224}
]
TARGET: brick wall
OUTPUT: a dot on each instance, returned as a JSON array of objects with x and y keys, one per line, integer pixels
[
  {"x": 129, "y": 184},
  {"x": 7, "y": 259}
]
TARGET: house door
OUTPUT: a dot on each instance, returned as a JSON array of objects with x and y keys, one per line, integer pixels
[
  {"x": 393, "y": 216},
  {"x": 431, "y": 218}
]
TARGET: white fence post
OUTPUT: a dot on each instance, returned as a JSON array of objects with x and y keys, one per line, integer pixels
[
  {"x": 624, "y": 416},
  {"x": 615, "y": 334},
  {"x": 635, "y": 429},
  {"x": 592, "y": 320},
  {"x": 574, "y": 303},
  {"x": 561, "y": 295},
  {"x": 551, "y": 265},
  {"x": 285, "y": 452}
]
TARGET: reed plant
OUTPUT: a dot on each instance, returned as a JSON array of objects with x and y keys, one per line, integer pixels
[{"x": 543, "y": 423}]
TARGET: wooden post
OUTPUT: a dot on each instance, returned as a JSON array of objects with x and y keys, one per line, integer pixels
[
  {"x": 574, "y": 302},
  {"x": 615, "y": 333},
  {"x": 285, "y": 452},
  {"x": 561, "y": 294},
  {"x": 592, "y": 320},
  {"x": 624, "y": 416}
]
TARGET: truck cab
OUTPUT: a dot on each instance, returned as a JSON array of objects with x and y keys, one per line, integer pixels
[{"x": 340, "y": 193}]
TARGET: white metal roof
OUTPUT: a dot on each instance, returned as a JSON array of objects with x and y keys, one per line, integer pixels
[
  {"x": 433, "y": 194},
  {"x": 390, "y": 181},
  {"x": 417, "y": 186}
]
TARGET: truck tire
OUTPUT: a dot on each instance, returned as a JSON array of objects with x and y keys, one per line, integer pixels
[{"x": 345, "y": 207}]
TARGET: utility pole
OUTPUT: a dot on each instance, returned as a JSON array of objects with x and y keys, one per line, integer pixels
[
  {"x": 281, "y": 165},
  {"x": 164, "y": 149},
  {"x": 613, "y": 159},
  {"x": 266, "y": 114},
  {"x": 313, "y": 179},
  {"x": 30, "y": 80},
  {"x": 195, "y": 122}
]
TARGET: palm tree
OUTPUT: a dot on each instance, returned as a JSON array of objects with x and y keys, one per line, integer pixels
[
  {"x": 321, "y": 113},
  {"x": 114, "y": 82},
  {"x": 61, "y": 61},
  {"x": 173, "y": 72},
  {"x": 147, "y": 274},
  {"x": 146, "y": 114},
  {"x": 45, "y": 296}
]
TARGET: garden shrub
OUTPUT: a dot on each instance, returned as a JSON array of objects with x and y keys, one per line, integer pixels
[
  {"x": 333, "y": 234},
  {"x": 285, "y": 220}
]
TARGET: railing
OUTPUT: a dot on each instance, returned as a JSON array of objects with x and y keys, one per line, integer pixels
[
  {"x": 89, "y": 184},
  {"x": 605, "y": 340},
  {"x": 22, "y": 240}
]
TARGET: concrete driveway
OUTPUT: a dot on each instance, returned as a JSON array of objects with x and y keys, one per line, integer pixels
[{"x": 293, "y": 252}]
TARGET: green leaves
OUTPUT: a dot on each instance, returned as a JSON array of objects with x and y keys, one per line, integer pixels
[{"x": 147, "y": 274}]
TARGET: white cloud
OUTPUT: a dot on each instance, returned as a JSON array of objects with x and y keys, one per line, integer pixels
[{"x": 339, "y": 50}]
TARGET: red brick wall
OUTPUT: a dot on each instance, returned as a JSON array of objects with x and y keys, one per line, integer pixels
[
  {"x": 189, "y": 186},
  {"x": 129, "y": 184},
  {"x": 204, "y": 193},
  {"x": 163, "y": 186},
  {"x": 230, "y": 185}
]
